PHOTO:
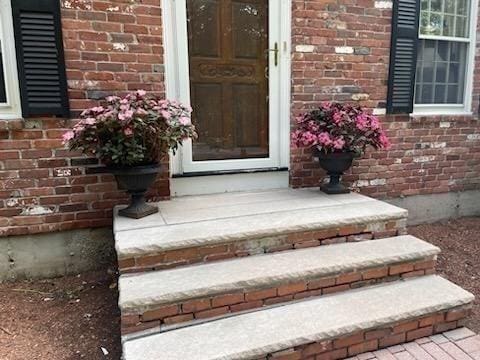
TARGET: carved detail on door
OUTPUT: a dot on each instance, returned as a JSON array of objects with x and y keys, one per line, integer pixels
[{"x": 227, "y": 71}]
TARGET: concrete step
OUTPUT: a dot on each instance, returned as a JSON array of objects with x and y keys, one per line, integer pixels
[
  {"x": 330, "y": 327},
  {"x": 213, "y": 227},
  {"x": 164, "y": 298}
]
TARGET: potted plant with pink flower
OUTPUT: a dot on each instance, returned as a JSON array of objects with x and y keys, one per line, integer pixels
[
  {"x": 338, "y": 133},
  {"x": 130, "y": 135}
]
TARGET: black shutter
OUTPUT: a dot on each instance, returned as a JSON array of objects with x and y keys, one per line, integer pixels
[
  {"x": 40, "y": 58},
  {"x": 403, "y": 56}
]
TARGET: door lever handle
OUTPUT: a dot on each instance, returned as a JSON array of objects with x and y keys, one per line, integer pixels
[{"x": 275, "y": 51}]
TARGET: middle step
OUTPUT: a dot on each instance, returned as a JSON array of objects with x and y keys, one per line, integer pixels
[{"x": 163, "y": 298}]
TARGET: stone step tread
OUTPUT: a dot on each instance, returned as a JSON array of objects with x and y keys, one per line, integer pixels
[
  {"x": 204, "y": 207},
  {"x": 270, "y": 330},
  {"x": 179, "y": 227},
  {"x": 143, "y": 290}
]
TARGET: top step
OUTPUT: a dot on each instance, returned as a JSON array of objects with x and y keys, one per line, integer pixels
[{"x": 218, "y": 219}]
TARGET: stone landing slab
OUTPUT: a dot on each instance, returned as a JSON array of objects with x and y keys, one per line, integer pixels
[{"x": 197, "y": 229}]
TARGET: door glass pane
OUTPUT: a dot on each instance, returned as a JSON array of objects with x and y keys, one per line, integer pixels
[
  {"x": 204, "y": 37},
  {"x": 228, "y": 82},
  {"x": 3, "y": 93}
]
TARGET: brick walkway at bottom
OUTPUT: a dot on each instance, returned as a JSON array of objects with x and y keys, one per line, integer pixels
[{"x": 460, "y": 344}]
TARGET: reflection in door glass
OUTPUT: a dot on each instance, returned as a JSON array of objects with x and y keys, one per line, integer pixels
[{"x": 3, "y": 93}]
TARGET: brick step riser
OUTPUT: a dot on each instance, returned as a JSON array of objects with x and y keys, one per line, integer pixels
[
  {"x": 248, "y": 247},
  {"x": 185, "y": 312},
  {"x": 375, "y": 339}
]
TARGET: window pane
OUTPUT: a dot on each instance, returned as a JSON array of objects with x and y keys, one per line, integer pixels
[
  {"x": 461, "y": 29},
  {"x": 427, "y": 94},
  {"x": 450, "y": 6},
  {"x": 463, "y": 7},
  {"x": 441, "y": 72},
  {"x": 453, "y": 95},
  {"x": 445, "y": 18},
  {"x": 435, "y": 25},
  {"x": 449, "y": 25},
  {"x": 454, "y": 73},
  {"x": 443, "y": 49},
  {"x": 441, "y": 75},
  {"x": 440, "y": 93},
  {"x": 418, "y": 94},
  {"x": 3, "y": 93},
  {"x": 436, "y": 5}
]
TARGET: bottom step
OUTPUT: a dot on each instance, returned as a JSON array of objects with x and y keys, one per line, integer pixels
[{"x": 337, "y": 326}]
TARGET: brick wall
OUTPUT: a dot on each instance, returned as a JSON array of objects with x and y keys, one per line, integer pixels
[
  {"x": 110, "y": 47},
  {"x": 341, "y": 52}
]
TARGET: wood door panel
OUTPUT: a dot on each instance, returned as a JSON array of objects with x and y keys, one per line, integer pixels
[
  {"x": 245, "y": 112},
  {"x": 204, "y": 36},
  {"x": 247, "y": 30},
  {"x": 208, "y": 101},
  {"x": 229, "y": 64}
]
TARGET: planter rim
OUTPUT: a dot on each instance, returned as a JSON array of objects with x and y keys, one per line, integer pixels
[
  {"x": 140, "y": 169},
  {"x": 335, "y": 154}
]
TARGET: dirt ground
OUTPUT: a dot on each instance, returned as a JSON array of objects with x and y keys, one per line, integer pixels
[
  {"x": 460, "y": 257},
  {"x": 76, "y": 317},
  {"x": 65, "y": 318}
]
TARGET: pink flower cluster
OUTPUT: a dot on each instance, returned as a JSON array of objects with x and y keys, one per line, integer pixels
[
  {"x": 134, "y": 129},
  {"x": 335, "y": 127}
]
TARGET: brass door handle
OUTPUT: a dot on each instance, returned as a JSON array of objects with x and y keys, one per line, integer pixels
[{"x": 275, "y": 51}]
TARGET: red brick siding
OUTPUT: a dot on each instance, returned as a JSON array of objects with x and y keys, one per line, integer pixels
[
  {"x": 429, "y": 155},
  {"x": 110, "y": 47}
]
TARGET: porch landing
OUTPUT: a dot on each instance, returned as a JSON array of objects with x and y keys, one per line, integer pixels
[{"x": 264, "y": 216}]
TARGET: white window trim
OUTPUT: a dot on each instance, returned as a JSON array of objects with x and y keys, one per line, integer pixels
[
  {"x": 12, "y": 108},
  {"x": 466, "y": 107}
]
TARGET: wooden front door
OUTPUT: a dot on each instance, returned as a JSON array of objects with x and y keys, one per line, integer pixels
[{"x": 228, "y": 51}]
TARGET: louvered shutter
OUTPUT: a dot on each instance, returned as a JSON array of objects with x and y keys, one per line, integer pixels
[
  {"x": 40, "y": 58},
  {"x": 403, "y": 56}
]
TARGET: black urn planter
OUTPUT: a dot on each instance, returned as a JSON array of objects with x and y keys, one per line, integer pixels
[
  {"x": 136, "y": 180},
  {"x": 335, "y": 164}
]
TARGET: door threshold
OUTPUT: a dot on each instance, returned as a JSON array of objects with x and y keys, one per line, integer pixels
[
  {"x": 216, "y": 183},
  {"x": 229, "y": 172}
]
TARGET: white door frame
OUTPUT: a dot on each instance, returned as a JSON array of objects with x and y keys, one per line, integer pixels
[{"x": 177, "y": 83}]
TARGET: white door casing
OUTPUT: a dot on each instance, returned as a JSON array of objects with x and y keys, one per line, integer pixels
[{"x": 178, "y": 88}]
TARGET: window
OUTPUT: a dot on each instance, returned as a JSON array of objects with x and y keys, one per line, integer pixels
[
  {"x": 444, "y": 58},
  {"x": 32, "y": 64},
  {"x": 9, "y": 90}
]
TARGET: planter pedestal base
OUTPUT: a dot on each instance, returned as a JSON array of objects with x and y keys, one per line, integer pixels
[
  {"x": 138, "y": 208},
  {"x": 335, "y": 164},
  {"x": 136, "y": 180},
  {"x": 334, "y": 187}
]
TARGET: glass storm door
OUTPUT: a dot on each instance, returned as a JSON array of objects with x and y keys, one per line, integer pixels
[{"x": 233, "y": 66}]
